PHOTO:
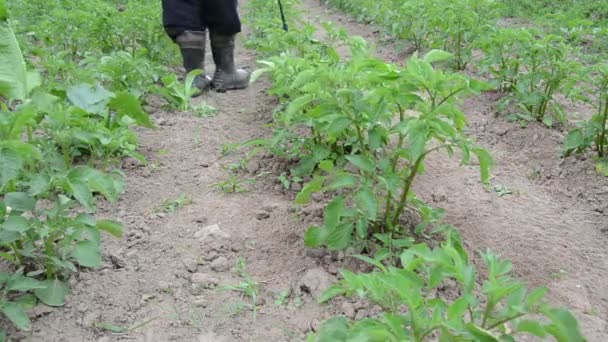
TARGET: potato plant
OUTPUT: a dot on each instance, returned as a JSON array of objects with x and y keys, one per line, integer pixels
[
  {"x": 495, "y": 308},
  {"x": 58, "y": 146},
  {"x": 594, "y": 132},
  {"x": 362, "y": 129}
]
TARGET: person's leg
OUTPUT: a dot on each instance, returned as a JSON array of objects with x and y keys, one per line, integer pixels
[
  {"x": 224, "y": 23},
  {"x": 184, "y": 23}
]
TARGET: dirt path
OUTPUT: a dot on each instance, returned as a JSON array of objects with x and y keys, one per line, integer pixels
[
  {"x": 164, "y": 278},
  {"x": 554, "y": 228}
]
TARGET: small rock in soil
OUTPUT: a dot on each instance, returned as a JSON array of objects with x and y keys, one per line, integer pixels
[
  {"x": 89, "y": 319},
  {"x": 82, "y": 307},
  {"x": 191, "y": 265},
  {"x": 316, "y": 253},
  {"x": 296, "y": 186},
  {"x": 117, "y": 260},
  {"x": 40, "y": 310},
  {"x": 315, "y": 281},
  {"x": 163, "y": 285},
  {"x": 262, "y": 214},
  {"x": 220, "y": 264},
  {"x": 211, "y": 234},
  {"x": 348, "y": 310},
  {"x": 253, "y": 167},
  {"x": 318, "y": 196},
  {"x": 210, "y": 337},
  {"x": 205, "y": 280},
  {"x": 270, "y": 207}
]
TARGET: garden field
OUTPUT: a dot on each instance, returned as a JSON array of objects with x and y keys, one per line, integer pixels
[{"x": 397, "y": 170}]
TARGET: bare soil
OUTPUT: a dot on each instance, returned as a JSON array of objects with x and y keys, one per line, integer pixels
[{"x": 165, "y": 280}]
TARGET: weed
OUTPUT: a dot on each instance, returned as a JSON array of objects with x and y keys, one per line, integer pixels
[
  {"x": 203, "y": 110},
  {"x": 171, "y": 206},
  {"x": 282, "y": 298},
  {"x": 233, "y": 185}
]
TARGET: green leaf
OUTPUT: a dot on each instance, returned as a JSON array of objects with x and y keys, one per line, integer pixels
[
  {"x": 531, "y": 327},
  {"x": 11, "y": 164},
  {"x": 315, "y": 237},
  {"x": 80, "y": 190},
  {"x": 311, "y": 187},
  {"x": 333, "y": 212},
  {"x": 13, "y": 74},
  {"x": 39, "y": 184},
  {"x": 564, "y": 326},
  {"x": 17, "y": 224},
  {"x": 110, "y": 327},
  {"x": 54, "y": 292},
  {"x": 126, "y": 104},
  {"x": 481, "y": 334},
  {"x": 333, "y": 330},
  {"x": 437, "y": 56},
  {"x": 93, "y": 99},
  {"x": 22, "y": 283},
  {"x": 574, "y": 140},
  {"x": 3, "y": 11},
  {"x": 20, "y": 201},
  {"x": 485, "y": 163},
  {"x": 17, "y": 315},
  {"x": 367, "y": 203},
  {"x": 340, "y": 237},
  {"x": 363, "y": 163},
  {"x": 333, "y": 291},
  {"x": 114, "y": 228},
  {"x": 87, "y": 254}
]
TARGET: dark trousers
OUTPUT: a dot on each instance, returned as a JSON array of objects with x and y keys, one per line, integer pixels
[{"x": 197, "y": 15}]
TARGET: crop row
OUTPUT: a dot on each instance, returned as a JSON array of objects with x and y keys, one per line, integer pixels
[
  {"x": 66, "y": 118},
  {"x": 529, "y": 66},
  {"x": 360, "y": 130}
]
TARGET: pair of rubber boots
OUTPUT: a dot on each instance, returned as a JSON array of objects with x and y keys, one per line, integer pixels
[{"x": 227, "y": 77}]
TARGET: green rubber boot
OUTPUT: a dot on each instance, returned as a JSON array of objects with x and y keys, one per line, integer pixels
[
  {"x": 227, "y": 76},
  {"x": 192, "y": 46}
]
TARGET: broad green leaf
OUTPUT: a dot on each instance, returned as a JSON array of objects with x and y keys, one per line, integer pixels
[
  {"x": 7, "y": 236},
  {"x": 531, "y": 327},
  {"x": 333, "y": 330},
  {"x": 80, "y": 190},
  {"x": 20, "y": 201},
  {"x": 333, "y": 212},
  {"x": 17, "y": 224},
  {"x": 93, "y": 99},
  {"x": 3, "y": 11},
  {"x": 21, "y": 283},
  {"x": 87, "y": 254},
  {"x": 574, "y": 140},
  {"x": 39, "y": 184},
  {"x": 311, "y": 187},
  {"x": 437, "y": 56},
  {"x": 564, "y": 326},
  {"x": 458, "y": 308},
  {"x": 54, "y": 293},
  {"x": 112, "y": 227},
  {"x": 367, "y": 203},
  {"x": 13, "y": 74},
  {"x": 11, "y": 164},
  {"x": 340, "y": 237},
  {"x": 125, "y": 103},
  {"x": 363, "y": 163},
  {"x": 26, "y": 301},
  {"x": 315, "y": 237},
  {"x": 17, "y": 315}
]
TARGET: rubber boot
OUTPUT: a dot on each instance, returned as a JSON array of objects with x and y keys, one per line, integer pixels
[
  {"x": 192, "y": 46},
  {"x": 227, "y": 76}
]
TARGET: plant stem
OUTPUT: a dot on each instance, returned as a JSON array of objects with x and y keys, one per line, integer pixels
[{"x": 602, "y": 138}]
